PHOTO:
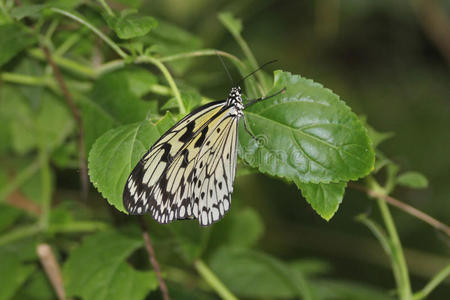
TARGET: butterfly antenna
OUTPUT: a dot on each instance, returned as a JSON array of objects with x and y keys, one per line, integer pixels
[
  {"x": 225, "y": 67},
  {"x": 259, "y": 68}
]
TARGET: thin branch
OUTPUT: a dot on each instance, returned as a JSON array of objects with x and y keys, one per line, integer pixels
[
  {"x": 77, "y": 116},
  {"x": 152, "y": 258},
  {"x": 17, "y": 199},
  {"x": 405, "y": 207},
  {"x": 52, "y": 269}
]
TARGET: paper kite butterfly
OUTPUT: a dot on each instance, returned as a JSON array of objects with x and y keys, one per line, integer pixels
[{"x": 189, "y": 172}]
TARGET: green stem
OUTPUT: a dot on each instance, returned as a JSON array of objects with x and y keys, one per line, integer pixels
[
  {"x": 20, "y": 179},
  {"x": 204, "y": 52},
  {"x": 251, "y": 59},
  {"x": 18, "y": 234},
  {"x": 81, "y": 226},
  {"x": 67, "y": 44},
  {"x": 46, "y": 189},
  {"x": 113, "y": 45},
  {"x": 30, "y": 230},
  {"x": 64, "y": 63},
  {"x": 107, "y": 8},
  {"x": 26, "y": 79},
  {"x": 169, "y": 78},
  {"x": 398, "y": 258},
  {"x": 51, "y": 29},
  {"x": 206, "y": 273},
  {"x": 434, "y": 282}
]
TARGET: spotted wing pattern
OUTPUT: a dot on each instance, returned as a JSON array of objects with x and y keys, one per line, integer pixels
[
  {"x": 162, "y": 183},
  {"x": 214, "y": 173}
]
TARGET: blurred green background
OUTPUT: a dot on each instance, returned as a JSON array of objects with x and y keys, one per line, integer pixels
[{"x": 389, "y": 61}]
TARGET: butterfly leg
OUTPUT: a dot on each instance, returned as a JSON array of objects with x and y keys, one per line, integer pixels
[{"x": 247, "y": 129}]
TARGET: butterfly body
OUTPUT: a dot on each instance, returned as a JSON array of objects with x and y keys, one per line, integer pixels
[{"x": 189, "y": 172}]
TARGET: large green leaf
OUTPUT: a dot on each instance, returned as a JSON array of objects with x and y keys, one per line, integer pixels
[
  {"x": 98, "y": 269},
  {"x": 14, "y": 38},
  {"x": 115, "y": 100},
  {"x": 323, "y": 197},
  {"x": 306, "y": 134},
  {"x": 115, "y": 154}
]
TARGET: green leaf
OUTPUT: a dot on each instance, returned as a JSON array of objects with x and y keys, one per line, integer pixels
[
  {"x": 231, "y": 23},
  {"x": 115, "y": 154},
  {"x": 340, "y": 289},
  {"x": 13, "y": 273},
  {"x": 8, "y": 215},
  {"x": 323, "y": 197},
  {"x": 191, "y": 239},
  {"x": 37, "y": 287},
  {"x": 190, "y": 101},
  {"x": 305, "y": 134},
  {"x": 98, "y": 269},
  {"x": 375, "y": 136},
  {"x": 238, "y": 269},
  {"x": 242, "y": 228},
  {"x": 130, "y": 26},
  {"x": 168, "y": 39},
  {"x": 414, "y": 180},
  {"x": 115, "y": 100},
  {"x": 34, "y": 11},
  {"x": 14, "y": 39},
  {"x": 48, "y": 125}
]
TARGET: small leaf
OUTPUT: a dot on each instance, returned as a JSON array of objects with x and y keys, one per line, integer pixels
[
  {"x": 14, "y": 39},
  {"x": 98, "y": 269},
  {"x": 305, "y": 134},
  {"x": 414, "y": 180},
  {"x": 238, "y": 269},
  {"x": 323, "y": 197},
  {"x": 130, "y": 26},
  {"x": 231, "y": 23},
  {"x": 13, "y": 273},
  {"x": 115, "y": 154},
  {"x": 375, "y": 136}
]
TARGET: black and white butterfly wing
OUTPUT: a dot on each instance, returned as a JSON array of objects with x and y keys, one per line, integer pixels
[
  {"x": 162, "y": 183},
  {"x": 214, "y": 172}
]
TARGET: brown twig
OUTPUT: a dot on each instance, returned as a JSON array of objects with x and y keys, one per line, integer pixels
[
  {"x": 52, "y": 269},
  {"x": 77, "y": 116},
  {"x": 17, "y": 199},
  {"x": 152, "y": 258},
  {"x": 405, "y": 207}
]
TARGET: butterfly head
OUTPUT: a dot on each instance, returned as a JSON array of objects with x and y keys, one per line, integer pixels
[{"x": 235, "y": 98}]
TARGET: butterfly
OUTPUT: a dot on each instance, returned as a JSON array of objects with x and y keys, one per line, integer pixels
[{"x": 189, "y": 171}]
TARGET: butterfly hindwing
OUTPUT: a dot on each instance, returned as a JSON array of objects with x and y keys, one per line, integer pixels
[{"x": 215, "y": 169}]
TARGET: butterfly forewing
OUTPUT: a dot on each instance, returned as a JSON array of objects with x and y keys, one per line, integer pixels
[{"x": 162, "y": 183}]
